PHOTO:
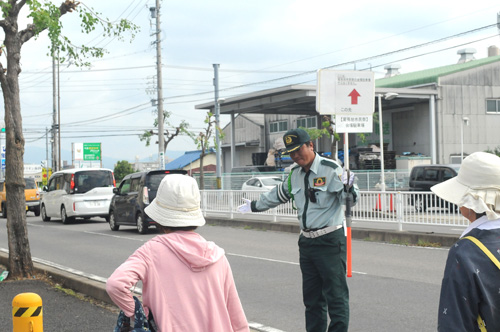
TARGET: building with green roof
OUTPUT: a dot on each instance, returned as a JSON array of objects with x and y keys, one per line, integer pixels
[{"x": 437, "y": 112}]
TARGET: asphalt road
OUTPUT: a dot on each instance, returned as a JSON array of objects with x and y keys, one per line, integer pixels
[{"x": 393, "y": 288}]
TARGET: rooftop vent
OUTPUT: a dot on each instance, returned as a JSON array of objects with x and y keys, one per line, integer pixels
[
  {"x": 392, "y": 70},
  {"x": 493, "y": 50},
  {"x": 466, "y": 54}
]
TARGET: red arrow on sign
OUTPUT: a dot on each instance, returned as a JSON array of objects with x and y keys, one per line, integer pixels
[{"x": 354, "y": 97}]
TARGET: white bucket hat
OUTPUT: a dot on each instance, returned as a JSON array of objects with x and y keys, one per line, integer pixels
[
  {"x": 477, "y": 185},
  {"x": 177, "y": 202}
]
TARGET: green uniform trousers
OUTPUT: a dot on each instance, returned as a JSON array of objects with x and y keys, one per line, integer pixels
[{"x": 324, "y": 284}]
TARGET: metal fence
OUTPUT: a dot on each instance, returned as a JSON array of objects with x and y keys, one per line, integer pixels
[
  {"x": 400, "y": 208},
  {"x": 367, "y": 180}
]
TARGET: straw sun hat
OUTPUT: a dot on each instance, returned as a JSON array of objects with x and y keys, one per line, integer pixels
[
  {"x": 477, "y": 185},
  {"x": 177, "y": 202}
]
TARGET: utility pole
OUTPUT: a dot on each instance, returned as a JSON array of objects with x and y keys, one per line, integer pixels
[
  {"x": 217, "y": 126},
  {"x": 58, "y": 117},
  {"x": 54, "y": 115},
  {"x": 47, "y": 150},
  {"x": 155, "y": 13}
]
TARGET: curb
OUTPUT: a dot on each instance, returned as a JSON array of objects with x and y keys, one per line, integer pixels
[
  {"x": 81, "y": 284},
  {"x": 367, "y": 234}
]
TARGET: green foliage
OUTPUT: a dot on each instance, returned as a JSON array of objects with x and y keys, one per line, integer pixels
[
  {"x": 495, "y": 151},
  {"x": 122, "y": 168},
  {"x": 168, "y": 135},
  {"x": 46, "y": 16}
]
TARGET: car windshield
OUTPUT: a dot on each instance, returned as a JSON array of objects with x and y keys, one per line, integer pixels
[
  {"x": 153, "y": 181},
  {"x": 88, "y": 180},
  {"x": 271, "y": 181},
  {"x": 30, "y": 183}
]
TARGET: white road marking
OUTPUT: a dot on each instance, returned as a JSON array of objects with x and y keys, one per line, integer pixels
[
  {"x": 117, "y": 236},
  {"x": 275, "y": 260},
  {"x": 262, "y": 328}
]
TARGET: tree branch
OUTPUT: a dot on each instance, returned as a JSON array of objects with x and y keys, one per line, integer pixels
[
  {"x": 17, "y": 7},
  {"x": 66, "y": 7}
]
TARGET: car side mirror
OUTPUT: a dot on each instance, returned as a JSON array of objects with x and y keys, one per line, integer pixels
[
  {"x": 45, "y": 188},
  {"x": 116, "y": 191}
]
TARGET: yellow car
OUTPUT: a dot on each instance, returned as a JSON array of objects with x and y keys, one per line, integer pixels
[{"x": 31, "y": 194}]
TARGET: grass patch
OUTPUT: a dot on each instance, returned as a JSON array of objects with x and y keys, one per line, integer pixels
[
  {"x": 399, "y": 242},
  {"x": 422, "y": 243}
]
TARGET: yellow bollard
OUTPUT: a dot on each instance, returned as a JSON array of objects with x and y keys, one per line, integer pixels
[{"x": 27, "y": 314}]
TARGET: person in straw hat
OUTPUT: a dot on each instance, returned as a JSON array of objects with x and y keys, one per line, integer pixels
[
  {"x": 187, "y": 281},
  {"x": 470, "y": 291}
]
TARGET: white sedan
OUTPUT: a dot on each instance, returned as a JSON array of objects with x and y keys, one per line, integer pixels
[{"x": 261, "y": 183}]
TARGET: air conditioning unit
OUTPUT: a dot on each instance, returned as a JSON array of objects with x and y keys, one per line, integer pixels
[{"x": 456, "y": 159}]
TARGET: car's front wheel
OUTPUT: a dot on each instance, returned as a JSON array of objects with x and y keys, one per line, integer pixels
[
  {"x": 141, "y": 224},
  {"x": 64, "y": 217},
  {"x": 44, "y": 214},
  {"x": 112, "y": 221}
]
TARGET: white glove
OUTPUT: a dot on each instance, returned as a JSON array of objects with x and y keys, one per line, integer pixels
[
  {"x": 247, "y": 207},
  {"x": 344, "y": 178}
]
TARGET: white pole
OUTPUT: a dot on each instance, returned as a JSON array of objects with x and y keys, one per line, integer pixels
[
  {"x": 381, "y": 133},
  {"x": 461, "y": 140}
]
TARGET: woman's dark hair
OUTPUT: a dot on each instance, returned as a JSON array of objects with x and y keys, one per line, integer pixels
[
  {"x": 175, "y": 229},
  {"x": 479, "y": 215}
]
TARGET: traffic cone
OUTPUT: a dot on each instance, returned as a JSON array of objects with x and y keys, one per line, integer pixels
[
  {"x": 378, "y": 204},
  {"x": 391, "y": 204}
]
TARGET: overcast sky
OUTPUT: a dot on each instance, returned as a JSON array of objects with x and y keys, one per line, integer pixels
[{"x": 257, "y": 44}]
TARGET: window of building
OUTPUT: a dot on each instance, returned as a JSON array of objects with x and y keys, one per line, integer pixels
[
  {"x": 309, "y": 122},
  {"x": 278, "y": 126},
  {"x": 493, "y": 106}
]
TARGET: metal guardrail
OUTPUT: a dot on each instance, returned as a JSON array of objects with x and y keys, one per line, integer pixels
[
  {"x": 400, "y": 208},
  {"x": 367, "y": 180}
]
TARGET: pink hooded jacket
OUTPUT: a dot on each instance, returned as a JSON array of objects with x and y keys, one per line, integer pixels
[{"x": 187, "y": 283}]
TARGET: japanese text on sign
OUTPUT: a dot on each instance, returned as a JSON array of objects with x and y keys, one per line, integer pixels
[{"x": 356, "y": 123}]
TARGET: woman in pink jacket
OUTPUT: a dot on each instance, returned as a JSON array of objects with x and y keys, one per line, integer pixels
[{"x": 187, "y": 281}]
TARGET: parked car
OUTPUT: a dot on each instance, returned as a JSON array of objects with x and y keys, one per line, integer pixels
[
  {"x": 31, "y": 195},
  {"x": 82, "y": 193},
  {"x": 132, "y": 196},
  {"x": 423, "y": 177},
  {"x": 262, "y": 183}
]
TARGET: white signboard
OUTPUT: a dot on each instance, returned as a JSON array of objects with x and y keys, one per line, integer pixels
[
  {"x": 345, "y": 92},
  {"x": 78, "y": 151},
  {"x": 354, "y": 123}
]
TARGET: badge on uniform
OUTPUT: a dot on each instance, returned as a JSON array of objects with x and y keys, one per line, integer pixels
[{"x": 319, "y": 182}]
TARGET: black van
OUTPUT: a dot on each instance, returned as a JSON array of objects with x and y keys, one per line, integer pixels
[
  {"x": 132, "y": 196},
  {"x": 423, "y": 177}
]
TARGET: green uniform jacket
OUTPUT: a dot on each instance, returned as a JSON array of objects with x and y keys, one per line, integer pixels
[{"x": 323, "y": 182}]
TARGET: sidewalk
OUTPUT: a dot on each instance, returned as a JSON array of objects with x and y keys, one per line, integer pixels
[{"x": 62, "y": 312}]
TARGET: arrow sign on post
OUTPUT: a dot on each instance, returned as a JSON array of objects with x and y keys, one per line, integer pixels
[
  {"x": 338, "y": 93},
  {"x": 354, "y": 97}
]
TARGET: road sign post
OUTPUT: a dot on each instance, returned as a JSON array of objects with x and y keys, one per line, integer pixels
[{"x": 350, "y": 97}]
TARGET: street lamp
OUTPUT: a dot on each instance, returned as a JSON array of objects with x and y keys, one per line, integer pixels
[
  {"x": 465, "y": 120},
  {"x": 387, "y": 96}
]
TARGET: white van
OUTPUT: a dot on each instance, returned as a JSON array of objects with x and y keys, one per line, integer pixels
[{"x": 84, "y": 193}]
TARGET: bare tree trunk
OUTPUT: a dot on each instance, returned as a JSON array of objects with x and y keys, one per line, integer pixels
[
  {"x": 20, "y": 263},
  {"x": 202, "y": 175}
]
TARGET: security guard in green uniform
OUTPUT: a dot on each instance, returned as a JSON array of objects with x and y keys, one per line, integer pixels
[{"x": 316, "y": 187}]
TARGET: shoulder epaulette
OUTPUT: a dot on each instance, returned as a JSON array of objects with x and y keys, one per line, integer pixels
[{"x": 330, "y": 163}]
